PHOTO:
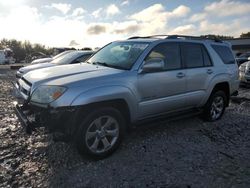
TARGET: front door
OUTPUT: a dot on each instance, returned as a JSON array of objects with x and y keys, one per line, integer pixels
[{"x": 164, "y": 91}]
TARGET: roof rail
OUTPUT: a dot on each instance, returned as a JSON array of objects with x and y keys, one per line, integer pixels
[
  {"x": 146, "y": 37},
  {"x": 205, "y": 37}
]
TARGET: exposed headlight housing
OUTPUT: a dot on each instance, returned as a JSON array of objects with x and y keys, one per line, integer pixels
[{"x": 47, "y": 94}]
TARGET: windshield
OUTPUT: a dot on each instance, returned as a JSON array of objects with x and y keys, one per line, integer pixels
[
  {"x": 67, "y": 58},
  {"x": 121, "y": 55}
]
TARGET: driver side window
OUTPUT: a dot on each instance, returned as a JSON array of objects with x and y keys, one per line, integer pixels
[{"x": 169, "y": 53}]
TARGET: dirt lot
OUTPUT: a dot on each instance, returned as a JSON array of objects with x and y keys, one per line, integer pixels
[{"x": 184, "y": 153}]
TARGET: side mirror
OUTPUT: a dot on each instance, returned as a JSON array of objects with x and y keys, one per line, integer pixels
[{"x": 153, "y": 65}]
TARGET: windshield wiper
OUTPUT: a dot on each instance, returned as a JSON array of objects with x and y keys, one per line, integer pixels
[{"x": 107, "y": 65}]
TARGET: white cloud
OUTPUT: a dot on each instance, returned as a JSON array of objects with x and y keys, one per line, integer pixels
[
  {"x": 126, "y": 2},
  {"x": 78, "y": 13},
  {"x": 184, "y": 30},
  {"x": 228, "y": 28},
  {"x": 97, "y": 13},
  {"x": 180, "y": 11},
  {"x": 154, "y": 19},
  {"x": 198, "y": 17},
  {"x": 228, "y": 8},
  {"x": 157, "y": 12},
  {"x": 112, "y": 10},
  {"x": 222, "y": 8},
  {"x": 62, "y": 7}
]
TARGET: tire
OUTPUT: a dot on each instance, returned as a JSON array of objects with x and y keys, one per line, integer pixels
[
  {"x": 100, "y": 133},
  {"x": 215, "y": 106}
]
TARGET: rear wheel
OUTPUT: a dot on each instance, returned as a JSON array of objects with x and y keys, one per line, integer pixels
[
  {"x": 215, "y": 106},
  {"x": 101, "y": 132}
]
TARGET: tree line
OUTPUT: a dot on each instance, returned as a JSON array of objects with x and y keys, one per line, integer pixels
[{"x": 22, "y": 49}]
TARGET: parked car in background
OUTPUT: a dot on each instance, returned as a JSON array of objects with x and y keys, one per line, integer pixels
[
  {"x": 6, "y": 57},
  {"x": 68, "y": 57},
  {"x": 128, "y": 82},
  {"x": 49, "y": 59},
  {"x": 244, "y": 72},
  {"x": 242, "y": 58}
]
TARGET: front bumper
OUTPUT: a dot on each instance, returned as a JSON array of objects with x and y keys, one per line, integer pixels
[
  {"x": 23, "y": 118},
  {"x": 53, "y": 119}
]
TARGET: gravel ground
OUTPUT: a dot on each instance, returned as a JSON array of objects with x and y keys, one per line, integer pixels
[{"x": 184, "y": 153}]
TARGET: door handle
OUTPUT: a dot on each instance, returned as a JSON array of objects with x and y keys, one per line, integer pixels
[
  {"x": 210, "y": 71},
  {"x": 180, "y": 75}
]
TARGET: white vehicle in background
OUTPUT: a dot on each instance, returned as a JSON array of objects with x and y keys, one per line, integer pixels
[
  {"x": 6, "y": 57},
  {"x": 244, "y": 72}
]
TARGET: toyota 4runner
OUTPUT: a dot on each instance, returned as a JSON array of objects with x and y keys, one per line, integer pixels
[{"x": 126, "y": 82}]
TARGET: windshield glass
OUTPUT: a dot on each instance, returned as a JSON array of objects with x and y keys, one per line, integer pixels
[
  {"x": 67, "y": 58},
  {"x": 121, "y": 55}
]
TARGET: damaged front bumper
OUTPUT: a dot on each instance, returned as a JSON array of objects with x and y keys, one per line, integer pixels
[
  {"x": 23, "y": 118},
  {"x": 32, "y": 115},
  {"x": 53, "y": 119}
]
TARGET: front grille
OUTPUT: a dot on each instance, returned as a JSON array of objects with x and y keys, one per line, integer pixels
[
  {"x": 27, "y": 82},
  {"x": 24, "y": 87}
]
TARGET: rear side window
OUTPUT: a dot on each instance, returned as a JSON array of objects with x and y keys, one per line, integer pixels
[
  {"x": 192, "y": 55},
  {"x": 225, "y": 54}
]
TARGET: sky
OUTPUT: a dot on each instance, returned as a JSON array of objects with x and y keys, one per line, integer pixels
[{"x": 94, "y": 23}]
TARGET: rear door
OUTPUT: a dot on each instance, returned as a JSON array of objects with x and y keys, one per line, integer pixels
[{"x": 199, "y": 71}]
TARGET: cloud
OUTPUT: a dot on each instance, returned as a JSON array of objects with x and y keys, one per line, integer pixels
[
  {"x": 112, "y": 10},
  {"x": 126, "y": 28},
  {"x": 227, "y": 28},
  {"x": 180, "y": 11},
  {"x": 228, "y": 8},
  {"x": 184, "y": 29},
  {"x": 96, "y": 29},
  {"x": 198, "y": 17},
  {"x": 73, "y": 43},
  {"x": 157, "y": 12},
  {"x": 97, "y": 13},
  {"x": 154, "y": 19},
  {"x": 223, "y": 8},
  {"x": 78, "y": 12},
  {"x": 62, "y": 7},
  {"x": 124, "y": 3}
]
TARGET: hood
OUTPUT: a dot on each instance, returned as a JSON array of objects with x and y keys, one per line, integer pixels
[
  {"x": 28, "y": 68},
  {"x": 42, "y": 60},
  {"x": 67, "y": 74}
]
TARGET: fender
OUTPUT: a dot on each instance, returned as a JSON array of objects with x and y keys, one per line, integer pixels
[
  {"x": 106, "y": 93},
  {"x": 219, "y": 78}
]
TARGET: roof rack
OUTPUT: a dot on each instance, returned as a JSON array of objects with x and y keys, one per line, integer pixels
[{"x": 205, "y": 37}]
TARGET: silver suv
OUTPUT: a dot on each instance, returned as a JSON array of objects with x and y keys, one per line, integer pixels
[{"x": 125, "y": 82}]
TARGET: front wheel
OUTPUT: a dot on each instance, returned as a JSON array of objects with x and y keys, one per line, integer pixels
[
  {"x": 101, "y": 132},
  {"x": 215, "y": 106}
]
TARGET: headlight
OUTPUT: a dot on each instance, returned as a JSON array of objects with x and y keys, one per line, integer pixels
[{"x": 47, "y": 94}]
